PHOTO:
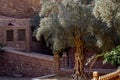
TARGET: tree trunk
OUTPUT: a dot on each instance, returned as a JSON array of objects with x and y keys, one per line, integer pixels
[{"x": 79, "y": 59}]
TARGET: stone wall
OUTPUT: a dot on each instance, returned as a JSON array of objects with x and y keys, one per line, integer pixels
[
  {"x": 67, "y": 60},
  {"x": 27, "y": 64},
  {"x": 33, "y": 64},
  {"x": 19, "y": 8}
]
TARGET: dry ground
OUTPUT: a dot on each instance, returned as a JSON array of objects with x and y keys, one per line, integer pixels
[{"x": 14, "y": 78}]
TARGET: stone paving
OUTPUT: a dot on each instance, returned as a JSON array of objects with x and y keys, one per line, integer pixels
[{"x": 14, "y": 78}]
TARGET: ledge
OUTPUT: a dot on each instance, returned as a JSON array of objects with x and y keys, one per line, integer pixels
[
  {"x": 30, "y": 54},
  {"x": 91, "y": 70}
]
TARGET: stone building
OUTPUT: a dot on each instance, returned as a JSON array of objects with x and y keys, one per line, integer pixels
[{"x": 17, "y": 34}]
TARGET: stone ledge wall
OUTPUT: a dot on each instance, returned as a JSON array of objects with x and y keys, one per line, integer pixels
[
  {"x": 33, "y": 64},
  {"x": 26, "y": 64}
]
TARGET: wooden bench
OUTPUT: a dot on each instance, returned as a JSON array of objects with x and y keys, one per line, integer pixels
[{"x": 111, "y": 76}]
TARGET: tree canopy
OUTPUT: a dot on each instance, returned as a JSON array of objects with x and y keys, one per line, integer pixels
[
  {"x": 108, "y": 11},
  {"x": 61, "y": 21},
  {"x": 62, "y": 18}
]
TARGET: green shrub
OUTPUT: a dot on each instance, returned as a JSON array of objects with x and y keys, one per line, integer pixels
[{"x": 112, "y": 57}]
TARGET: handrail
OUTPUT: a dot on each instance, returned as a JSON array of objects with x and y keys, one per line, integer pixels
[{"x": 109, "y": 76}]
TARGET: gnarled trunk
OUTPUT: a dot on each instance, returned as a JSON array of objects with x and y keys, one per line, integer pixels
[{"x": 79, "y": 59}]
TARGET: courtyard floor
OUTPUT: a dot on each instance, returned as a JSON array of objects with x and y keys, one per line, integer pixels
[
  {"x": 14, "y": 78},
  {"x": 27, "y": 78}
]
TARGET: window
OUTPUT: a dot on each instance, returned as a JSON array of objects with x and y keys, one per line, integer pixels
[
  {"x": 21, "y": 35},
  {"x": 9, "y": 35}
]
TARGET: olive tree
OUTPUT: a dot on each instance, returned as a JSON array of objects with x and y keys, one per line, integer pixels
[
  {"x": 109, "y": 12},
  {"x": 63, "y": 26},
  {"x": 68, "y": 23}
]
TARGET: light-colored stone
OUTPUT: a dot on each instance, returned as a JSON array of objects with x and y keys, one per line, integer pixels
[{"x": 19, "y": 8}]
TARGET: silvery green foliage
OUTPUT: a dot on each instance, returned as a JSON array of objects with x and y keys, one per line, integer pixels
[
  {"x": 52, "y": 33},
  {"x": 107, "y": 38},
  {"x": 48, "y": 7},
  {"x": 108, "y": 11},
  {"x": 73, "y": 12},
  {"x": 61, "y": 21},
  {"x": 50, "y": 27}
]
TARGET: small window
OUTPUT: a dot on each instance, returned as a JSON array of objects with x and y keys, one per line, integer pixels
[
  {"x": 21, "y": 35},
  {"x": 9, "y": 35}
]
